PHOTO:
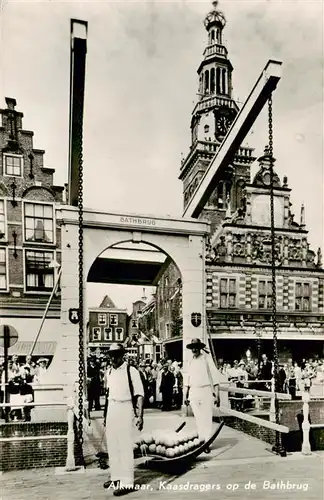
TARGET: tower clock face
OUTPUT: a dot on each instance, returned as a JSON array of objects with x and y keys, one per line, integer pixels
[
  {"x": 222, "y": 124},
  {"x": 224, "y": 119}
]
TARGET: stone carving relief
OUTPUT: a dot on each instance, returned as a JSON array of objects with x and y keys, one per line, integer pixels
[
  {"x": 220, "y": 250},
  {"x": 216, "y": 254},
  {"x": 239, "y": 245},
  {"x": 310, "y": 258},
  {"x": 295, "y": 249},
  {"x": 261, "y": 249}
]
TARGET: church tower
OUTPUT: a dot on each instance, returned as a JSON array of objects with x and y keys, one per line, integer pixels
[{"x": 211, "y": 118}]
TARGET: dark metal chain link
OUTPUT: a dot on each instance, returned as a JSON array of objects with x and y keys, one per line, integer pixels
[
  {"x": 273, "y": 274},
  {"x": 79, "y": 145}
]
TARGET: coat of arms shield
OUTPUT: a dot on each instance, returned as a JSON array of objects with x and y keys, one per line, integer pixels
[
  {"x": 74, "y": 315},
  {"x": 196, "y": 319}
]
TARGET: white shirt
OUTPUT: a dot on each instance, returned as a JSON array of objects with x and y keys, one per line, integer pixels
[
  {"x": 198, "y": 373},
  {"x": 118, "y": 385}
]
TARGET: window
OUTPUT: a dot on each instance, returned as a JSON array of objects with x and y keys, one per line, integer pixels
[
  {"x": 39, "y": 223},
  {"x": 220, "y": 195},
  {"x": 113, "y": 319},
  {"x": 265, "y": 294},
  {"x": 2, "y": 219},
  {"x": 157, "y": 353},
  {"x": 218, "y": 80},
  {"x": 107, "y": 333},
  {"x": 96, "y": 334},
  {"x": 39, "y": 276},
  {"x": 206, "y": 80},
  {"x": 302, "y": 297},
  {"x": 212, "y": 80},
  {"x": 13, "y": 165},
  {"x": 102, "y": 319},
  {"x": 119, "y": 334},
  {"x": 224, "y": 86},
  {"x": 134, "y": 323},
  {"x": 228, "y": 293},
  {"x": 3, "y": 269}
]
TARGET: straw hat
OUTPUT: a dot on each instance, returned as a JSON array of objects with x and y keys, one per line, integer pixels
[{"x": 196, "y": 344}]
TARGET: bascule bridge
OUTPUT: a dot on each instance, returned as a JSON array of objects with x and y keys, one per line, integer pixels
[{"x": 88, "y": 234}]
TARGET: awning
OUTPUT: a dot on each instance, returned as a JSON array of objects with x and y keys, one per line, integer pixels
[
  {"x": 231, "y": 335},
  {"x": 172, "y": 339},
  {"x": 41, "y": 348}
]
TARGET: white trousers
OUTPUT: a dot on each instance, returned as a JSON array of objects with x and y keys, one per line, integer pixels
[
  {"x": 202, "y": 403},
  {"x": 119, "y": 434}
]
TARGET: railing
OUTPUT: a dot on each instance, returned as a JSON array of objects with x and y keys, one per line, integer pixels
[
  {"x": 212, "y": 101},
  {"x": 257, "y": 393},
  {"x": 215, "y": 49},
  {"x": 70, "y": 437},
  {"x": 306, "y": 397},
  {"x": 213, "y": 147}
]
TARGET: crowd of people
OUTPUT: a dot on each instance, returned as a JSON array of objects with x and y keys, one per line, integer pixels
[
  {"x": 293, "y": 376},
  {"x": 21, "y": 376},
  {"x": 162, "y": 382}
]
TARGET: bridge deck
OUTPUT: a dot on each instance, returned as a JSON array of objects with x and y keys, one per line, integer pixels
[{"x": 236, "y": 459}]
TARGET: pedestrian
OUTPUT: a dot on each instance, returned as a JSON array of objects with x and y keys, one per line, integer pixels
[
  {"x": 158, "y": 395},
  {"x": 125, "y": 397},
  {"x": 202, "y": 386},
  {"x": 265, "y": 373},
  {"x": 166, "y": 387},
  {"x": 178, "y": 389},
  {"x": 281, "y": 378},
  {"x": 41, "y": 370},
  {"x": 291, "y": 378},
  {"x": 93, "y": 382}
]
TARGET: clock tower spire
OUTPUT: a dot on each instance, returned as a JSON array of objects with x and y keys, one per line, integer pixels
[{"x": 212, "y": 116}]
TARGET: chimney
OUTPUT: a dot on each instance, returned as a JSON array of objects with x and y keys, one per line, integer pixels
[
  {"x": 11, "y": 118},
  {"x": 11, "y": 102}
]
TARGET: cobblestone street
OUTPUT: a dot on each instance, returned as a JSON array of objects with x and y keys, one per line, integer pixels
[
  {"x": 204, "y": 478},
  {"x": 239, "y": 467}
]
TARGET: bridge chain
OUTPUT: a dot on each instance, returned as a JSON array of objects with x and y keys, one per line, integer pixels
[
  {"x": 278, "y": 448},
  {"x": 79, "y": 148}
]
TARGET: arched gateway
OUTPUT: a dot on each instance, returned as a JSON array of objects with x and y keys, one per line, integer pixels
[{"x": 183, "y": 240}]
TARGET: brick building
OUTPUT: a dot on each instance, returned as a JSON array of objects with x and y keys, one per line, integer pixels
[
  {"x": 169, "y": 311},
  {"x": 238, "y": 265},
  {"x": 107, "y": 324},
  {"x": 29, "y": 236}
]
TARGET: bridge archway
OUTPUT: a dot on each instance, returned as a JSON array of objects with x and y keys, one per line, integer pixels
[{"x": 183, "y": 240}]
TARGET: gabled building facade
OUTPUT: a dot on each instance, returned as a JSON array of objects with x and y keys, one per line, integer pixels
[
  {"x": 30, "y": 238},
  {"x": 238, "y": 280},
  {"x": 107, "y": 324}
]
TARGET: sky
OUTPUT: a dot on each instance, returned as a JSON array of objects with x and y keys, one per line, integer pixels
[{"x": 141, "y": 86}]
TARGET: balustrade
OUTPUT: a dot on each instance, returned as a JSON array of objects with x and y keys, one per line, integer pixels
[{"x": 215, "y": 49}]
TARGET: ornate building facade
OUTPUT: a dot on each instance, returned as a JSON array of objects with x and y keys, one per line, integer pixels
[
  {"x": 30, "y": 238},
  {"x": 238, "y": 265},
  {"x": 239, "y": 286}
]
